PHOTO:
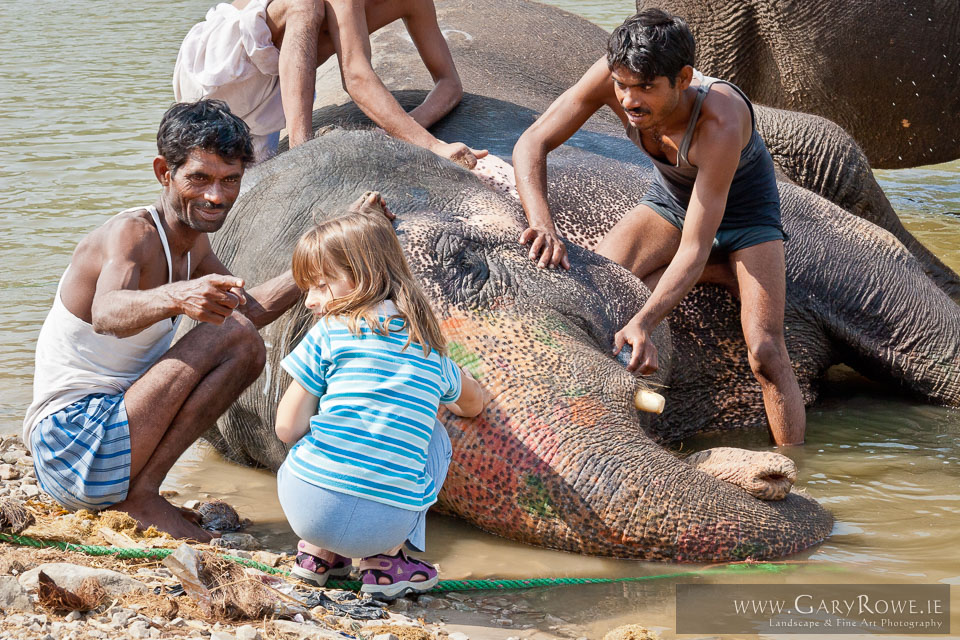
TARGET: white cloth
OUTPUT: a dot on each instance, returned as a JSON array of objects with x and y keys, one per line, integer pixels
[
  {"x": 73, "y": 361},
  {"x": 230, "y": 56}
]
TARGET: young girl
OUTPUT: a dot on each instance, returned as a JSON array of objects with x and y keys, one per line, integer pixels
[{"x": 370, "y": 455}]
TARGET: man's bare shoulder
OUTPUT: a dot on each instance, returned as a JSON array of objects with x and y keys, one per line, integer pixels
[
  {"x": 725, "y": 107},
  {"x": 131, "y": 232}
]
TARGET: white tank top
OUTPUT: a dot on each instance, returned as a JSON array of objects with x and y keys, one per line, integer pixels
[{"x": 73, "y": 361}]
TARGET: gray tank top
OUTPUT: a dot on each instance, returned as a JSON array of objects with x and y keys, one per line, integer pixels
[{"x": 753, "y": 197}]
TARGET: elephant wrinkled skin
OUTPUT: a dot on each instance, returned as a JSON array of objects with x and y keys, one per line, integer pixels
[{"x": 888, "y": 73}]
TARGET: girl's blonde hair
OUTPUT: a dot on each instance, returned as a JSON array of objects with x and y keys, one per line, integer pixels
[{"x": 364, "y": 248}]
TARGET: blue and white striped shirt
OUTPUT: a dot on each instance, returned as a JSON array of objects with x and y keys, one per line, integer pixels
[{"x": 378, "y": 405}]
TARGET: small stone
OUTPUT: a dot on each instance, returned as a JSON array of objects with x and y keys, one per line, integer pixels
[
  {"x": 121, "y": 617},
  {"x": 11, "y": 457},
  {"x": 30, "y": 490},
  {"x": 425, "y": 600},
  {"x": 267, "y": 558},
  {"x": 139, "y": 630},
  {"x": 156, "y": 633},
  {"x": 554, "y": 620},
  {"x": 190, "y": 504},
  {"x": 385, "y": 636},
  {"x": 463, "y": 606},
  {"x": 222, "y": 635},
  {"x": 243, "y": 541},
  {"x": 458, "y": 635},
  {"x": 503, "y": 622},
  {"x": 13, "y": 596},
  {"x": 176, "y": 622},
  {"x": 73, "y": 616},
  {"x": 248, "y": 632},
  {"x": 25, "y": 461},
  {"x": 7, "y": 472},
  {"x": 400, "y": 604},
  {"x": 69, "y": 576},
  {"x": 438, "y": 603},
  {"x": 453, "y": 595}
]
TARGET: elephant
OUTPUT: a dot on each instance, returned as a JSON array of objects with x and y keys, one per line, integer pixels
[
  {"x": 888, "y": 73},
  {"x": 561, "y": 458},
  {"x": 811, "y": 151}
]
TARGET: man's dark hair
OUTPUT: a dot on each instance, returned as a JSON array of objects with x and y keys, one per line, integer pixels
[
  {"x": 650, "y": 44},
  {"x": 206, "y": 125}
]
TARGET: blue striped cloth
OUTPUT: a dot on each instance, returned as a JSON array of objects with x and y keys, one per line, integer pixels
[
  {"x": 377, "y": 409},
  {"x": 81, "y": 453}
]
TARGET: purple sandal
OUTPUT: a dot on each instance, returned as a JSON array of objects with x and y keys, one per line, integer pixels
[
  {"x": 399, "y": 569},
  {"x": 307, "y": 564}
]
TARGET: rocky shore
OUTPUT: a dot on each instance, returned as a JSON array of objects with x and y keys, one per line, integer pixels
[{"x": 51, "y": 594}]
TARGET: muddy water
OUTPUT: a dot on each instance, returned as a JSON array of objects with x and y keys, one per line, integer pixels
[{"x": 81, "y": 91}]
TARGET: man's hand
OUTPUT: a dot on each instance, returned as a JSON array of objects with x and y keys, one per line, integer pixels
[
  {"x": 546, "y": 247},
  {"x": 211, "y": 298},
  {"x": 372, "y": 202},
  {"x": 459, "y": 153},
  {"x": 644, "y": 353}
]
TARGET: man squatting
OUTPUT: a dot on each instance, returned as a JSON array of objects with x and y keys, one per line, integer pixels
[{"x": 712, "y": 213}]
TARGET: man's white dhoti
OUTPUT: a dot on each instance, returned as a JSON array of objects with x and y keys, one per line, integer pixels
[{"x": 230, "y": 56}]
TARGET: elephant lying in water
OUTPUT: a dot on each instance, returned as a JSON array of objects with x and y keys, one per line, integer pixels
[{"x": 561, "y": 458}]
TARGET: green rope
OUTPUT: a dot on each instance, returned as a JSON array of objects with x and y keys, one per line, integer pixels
[{"x": 442, "y": 585}]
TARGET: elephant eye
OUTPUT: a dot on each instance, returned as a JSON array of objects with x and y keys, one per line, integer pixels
[{"x": 468, "y": 270}]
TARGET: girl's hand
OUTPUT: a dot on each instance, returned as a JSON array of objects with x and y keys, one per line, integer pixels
[{"x": 372, "y": 202}]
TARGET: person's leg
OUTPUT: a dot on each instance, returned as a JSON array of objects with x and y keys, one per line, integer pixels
[
  {"x": 296, "y": 25},
  {"x": 642, "y": 241},
  {"x": 175, "y": 401},
  {"x": 761, "y": 281}
]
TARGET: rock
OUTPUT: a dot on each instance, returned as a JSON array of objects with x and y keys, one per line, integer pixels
[
  {"x": 385, "y": 636},
  {"x": 438, "y": 603},
  {"x": 11, "y": 457},
  {"x": 222, "y": 635},
  {"x": 248, "y": 632},
  {"x": 453, "y": 595},
  {"x": 306, "y": 630},
  {"x": 69, "y": 576},
  {"x": 425, "y": 600},
  {"x": 30, "y": 490},
  {"x": 13, "y": 597},
  {"x": 267, "y": 558},
  {"x": 243, "y": 541},
  {"x": 630, "y": 632},
  {"x": 191, "y": 504},
  {"x": 121, "y": 617},
  {"x": 7, "y": 472},
  {"x": 458, "y": 635},
  {"x": 503, "y": 622},
  {"x": 400, "y": 604},
  {"x": 73, "y": 616},
  {"x": 139, "y": 630}
]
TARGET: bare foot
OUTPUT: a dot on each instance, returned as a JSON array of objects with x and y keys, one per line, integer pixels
[
  {"x": 372, "y": 202},
  {"x": 153, "y": 510}
]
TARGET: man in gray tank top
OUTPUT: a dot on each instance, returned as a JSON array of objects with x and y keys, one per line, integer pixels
[
  {"x": 712, "y": 213},
  {"x": 114, "y": 405}
]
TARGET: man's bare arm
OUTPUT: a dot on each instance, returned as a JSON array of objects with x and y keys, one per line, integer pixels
[
  {"x": 432, "y": 46},
  {"x": 719, "y": 147},
  {"x": 263, "y": 303},
  {"x": 561, "y": 120},
  {"x": 120, "y": 308}
]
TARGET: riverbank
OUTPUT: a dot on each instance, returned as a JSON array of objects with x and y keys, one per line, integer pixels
[{"x": 148, "y": 597}]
